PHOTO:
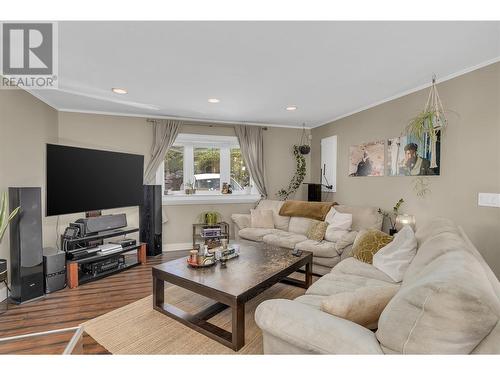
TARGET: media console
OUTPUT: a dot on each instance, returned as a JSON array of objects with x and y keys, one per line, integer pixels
[{"x": 76, "y": 276}]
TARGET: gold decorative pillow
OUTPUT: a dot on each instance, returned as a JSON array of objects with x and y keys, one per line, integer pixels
[
  {"x": 368, "y": 243},
  {"x": 317, "y": 230}
]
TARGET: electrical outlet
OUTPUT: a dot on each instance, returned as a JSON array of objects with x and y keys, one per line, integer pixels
[{"x": 488, "y": 199}]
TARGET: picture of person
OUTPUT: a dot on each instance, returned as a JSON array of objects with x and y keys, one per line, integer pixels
[
  {"x": 367, "y": 159},
  {"x": 407, "y": 156}
]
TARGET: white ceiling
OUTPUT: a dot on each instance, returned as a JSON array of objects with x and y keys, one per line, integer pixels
[{"x": 256, "y": 69}]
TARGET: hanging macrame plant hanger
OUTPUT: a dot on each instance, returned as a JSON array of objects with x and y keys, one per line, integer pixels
[
  {"x": 431, "y": 121},
  {"x": 304, "y": 146}
]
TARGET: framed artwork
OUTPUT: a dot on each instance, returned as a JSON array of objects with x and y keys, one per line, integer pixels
[
  {"x": 367, "y": 159},
  {"x": 409, "y": 156}
]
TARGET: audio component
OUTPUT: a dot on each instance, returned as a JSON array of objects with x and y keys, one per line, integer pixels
[
  {"x": 96, "y": 268},
  {"x": 109, "y": 247},
  {"x": 103, "y": 223},
  {"x": 54, "y": 269},
  {"x": 125, "y": 242},
  {"x": 26, "y": 244},
  {"x": 150, "y": 219}
]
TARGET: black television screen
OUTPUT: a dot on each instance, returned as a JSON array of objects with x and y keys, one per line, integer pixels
[{"x": 81, "y": 179}]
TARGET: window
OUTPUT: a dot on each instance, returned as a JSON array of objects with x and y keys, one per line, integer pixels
[
  {"x": 207, "y": 168},
  {"x": 205, "y": 161},
  {"x": 239, "y": 173},
  {"x": 174, "y": 168}
]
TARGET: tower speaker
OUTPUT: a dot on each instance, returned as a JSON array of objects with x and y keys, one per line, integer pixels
[
  {"x": 26, "y": 244},
  {"x": 150, "y": 218}
]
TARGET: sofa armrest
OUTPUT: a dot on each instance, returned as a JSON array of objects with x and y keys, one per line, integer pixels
[
  {"x": 241, "y": 220},
  {"x": 313, "y": 330}
]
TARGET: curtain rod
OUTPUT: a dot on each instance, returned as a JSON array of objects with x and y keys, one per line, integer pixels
[{"x": 209, "y": 124}]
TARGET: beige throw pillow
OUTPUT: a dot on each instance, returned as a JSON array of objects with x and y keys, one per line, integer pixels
[
  {"x": 261, "y": 219},
  {"x": 317, "y": 230},
  {"x": 362, "y": 306}
]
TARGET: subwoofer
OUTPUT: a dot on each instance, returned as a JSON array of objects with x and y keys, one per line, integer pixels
[
  {"x": 54, "y": 269},
  {"x": 150, "y": 219},
  {"x": 26, "y": 244}
]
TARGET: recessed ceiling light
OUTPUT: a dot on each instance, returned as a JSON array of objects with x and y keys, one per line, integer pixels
[
  {"x": 291, "y": 108},
  {"x": 213, "y": 100},
  {"x": 120, "y": 91}
]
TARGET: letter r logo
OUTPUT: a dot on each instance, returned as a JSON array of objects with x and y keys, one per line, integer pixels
[{"x": 27, "y": 48}]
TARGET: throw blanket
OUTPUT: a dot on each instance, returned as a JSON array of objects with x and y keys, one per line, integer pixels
[{"x": 311, "y": 210}]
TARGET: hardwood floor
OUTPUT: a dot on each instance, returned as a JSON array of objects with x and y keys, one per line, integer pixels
[{"x": 70, "y": 307}]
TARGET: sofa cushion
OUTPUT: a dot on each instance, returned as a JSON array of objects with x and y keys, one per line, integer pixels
[
  {"x": 280, "y": 222},
  {"x": 261, "y": 219},
  {"x": 284, "y": 239},
  {"x": 347, "y": 276},
  {"x": 311, "y": 300},
  {"x": 299, "y": 225},
  {"x": 447, "y": 309},
  {"x": 255, "y": 234},
  {"x": 241, "y": 220},
  {"x": 319, "y": 248},
  {"x": 395, "y": 258},
  {"x": 362, "y": 306},
  {"x": 362, "y": 217},
  {"x": 367, "y": 243},
  {"x": 316, "y": 231},
  {"x": 326, "y": 262}
]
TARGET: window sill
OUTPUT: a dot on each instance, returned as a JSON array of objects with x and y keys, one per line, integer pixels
[{"x": 183, "y": 199}]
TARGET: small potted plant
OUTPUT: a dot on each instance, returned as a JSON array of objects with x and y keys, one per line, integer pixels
[
  {"x": 189, "y": 188},
  {"x": 210, "y": 217},
  {"x": 391, "y": 216}
]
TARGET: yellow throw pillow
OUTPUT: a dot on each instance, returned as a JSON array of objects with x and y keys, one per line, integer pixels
[
  {"x": 362, "y": 306},
  {"x": 368, "y": 243},
  {"x": 317, "y": 230}
]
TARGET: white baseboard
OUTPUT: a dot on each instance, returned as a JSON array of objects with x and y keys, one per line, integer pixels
[{"x": 177, "y": 246}]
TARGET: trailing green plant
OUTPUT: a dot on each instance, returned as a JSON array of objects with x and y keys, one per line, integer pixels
[
  {"x": 298, "y": 177},
  {"x": 209, "y": 217},
  {"x": 391, "y": 216},
  {"x": 4, "y": 219},
  {"x": 429, "y": 122}
]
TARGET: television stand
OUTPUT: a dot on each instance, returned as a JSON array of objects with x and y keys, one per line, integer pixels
[{"x": 76, "y": 277}]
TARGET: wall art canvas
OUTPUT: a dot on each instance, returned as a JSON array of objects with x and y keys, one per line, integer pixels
[
  {"x": 367, "y": 159},
  {"x": 410, "y": 156}
]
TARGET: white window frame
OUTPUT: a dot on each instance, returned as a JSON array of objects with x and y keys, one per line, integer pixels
[{"x": 190, "y": 142}]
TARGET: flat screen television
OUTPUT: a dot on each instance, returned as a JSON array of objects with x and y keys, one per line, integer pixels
[{"x": 81, "y": 179}]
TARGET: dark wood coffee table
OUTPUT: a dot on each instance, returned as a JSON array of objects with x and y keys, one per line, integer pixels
[{"x": 256, "y": 269}]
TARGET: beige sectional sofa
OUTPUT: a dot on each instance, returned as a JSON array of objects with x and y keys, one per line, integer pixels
[
  {"x": 290, "y": 232},
  {"x": 448, "y": 303}
]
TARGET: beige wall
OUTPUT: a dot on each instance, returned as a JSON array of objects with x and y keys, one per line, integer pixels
[
  {"x": 470, "y": 157},
  {"x": 26, "y": 124},
  {"x": 131, "y": 134}
]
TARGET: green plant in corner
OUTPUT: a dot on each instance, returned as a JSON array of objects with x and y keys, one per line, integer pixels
[
  {"x": 391, "y": 216},
  {"x": 298, "y": 177},
  {"x": 4, "y": 219}
]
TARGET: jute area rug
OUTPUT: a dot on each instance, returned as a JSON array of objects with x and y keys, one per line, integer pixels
[{"x": 138, "y": 329}]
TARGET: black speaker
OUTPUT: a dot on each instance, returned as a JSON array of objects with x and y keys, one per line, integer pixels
[
  {"x": 54, "y": 269},
  {"x": 314, "y": 192},
  {"x": 150, "y": 219},
  {"x": 26, "y": 244}
]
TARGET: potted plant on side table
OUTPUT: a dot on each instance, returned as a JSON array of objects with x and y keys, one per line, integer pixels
[{"x": 391, "y": 216}]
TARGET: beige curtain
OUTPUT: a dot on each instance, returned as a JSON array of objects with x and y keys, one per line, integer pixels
[
  {"x": 251, "y": 139},
  {"x": 164, "y": 134}
]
